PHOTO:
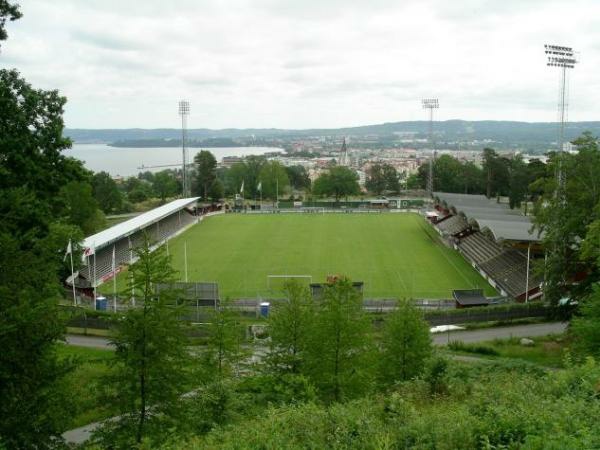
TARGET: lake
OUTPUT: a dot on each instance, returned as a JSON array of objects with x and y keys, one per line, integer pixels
[{"x": 127, "y": 161}]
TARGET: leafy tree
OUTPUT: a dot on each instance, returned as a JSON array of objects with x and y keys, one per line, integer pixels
[
  {"x": 338, "y": 181},
  {"x": 298, "y": 177},
  {"x": 339, "y": 343},
  {"x": 223, "y": 349},
  {"x": 151, "y": 355},
  {"x": 33, "y": 406},
  {"x": 165, "y": 185},
  {"x": 405, "y": 344},
  {"x": 382, "y": 177},
  {"x": 416, "y": 181},
  {"x": 450, "y": 175},
  {"x": 567, "y": 222},
  {"x": 289, "y": 328},
  {"x": 472, "y": 177},
  {"x": 8, "y": 11},
  {"x": 496, "y": 170},
  {"x": 80, "y": 207},
  {"x": 247, "y": 172},
  {"x": 253, "y": 166},
  {"x": 138, "y": 190},
  {"x": 206, "y": 173},
  {"x": 106, "y": 192},
  {"x": 585, "y": 328},
  {"x": 518, "y": 182},
  {"x": 216, "y": 191},
  {"x": 274, "y": 179}
]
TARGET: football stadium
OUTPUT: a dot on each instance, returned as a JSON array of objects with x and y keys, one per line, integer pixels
[{"x": 395, "y": 253}]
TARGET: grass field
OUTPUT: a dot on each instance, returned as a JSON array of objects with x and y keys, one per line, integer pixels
[{"x": 395, "y": 255}]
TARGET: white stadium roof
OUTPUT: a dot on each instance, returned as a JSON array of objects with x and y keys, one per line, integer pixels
[
  {"x": 127, "y": 228},
  {"x": 504, "y": 223}
]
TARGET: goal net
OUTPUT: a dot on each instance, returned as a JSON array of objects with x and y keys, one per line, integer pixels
[{"x": 276, "y": 283}]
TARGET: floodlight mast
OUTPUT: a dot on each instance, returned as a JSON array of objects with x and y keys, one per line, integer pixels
[
  {"x": 563, "y": 58},
  {"x": 431, "y": 104},
  {"x": 184, "y": 112}
]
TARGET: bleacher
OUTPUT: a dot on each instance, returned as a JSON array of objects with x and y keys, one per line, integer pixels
[
  {"x": 497, "y": 223},
  {"x": 479, "y": 248},
  {"x": 453, "y": 225},
  {"x": 506, "y": 266},
  {"x": 159, "y": 224}
]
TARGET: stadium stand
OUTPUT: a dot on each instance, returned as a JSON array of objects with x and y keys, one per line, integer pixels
[
  {"x": 160, "y": 224},
  {"x": 495, "y": 228},
  {"x": 468, "y": 298},
  {"x": 453, "y": 225}
]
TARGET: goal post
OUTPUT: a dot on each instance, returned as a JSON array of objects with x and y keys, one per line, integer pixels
[{"x": 276, "y": 282}]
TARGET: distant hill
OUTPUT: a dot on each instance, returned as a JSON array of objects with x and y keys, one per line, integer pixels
[{"x": 501, "y": 133}]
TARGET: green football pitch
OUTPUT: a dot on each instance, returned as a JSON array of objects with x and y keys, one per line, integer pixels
[{"x": 395, "y": 255}]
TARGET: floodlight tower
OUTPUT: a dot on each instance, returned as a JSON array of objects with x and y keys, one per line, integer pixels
[
  {"x": 563, "y": 58},
  {"x": 430, "y": 104},
  {"x": 184, "y": 112}
]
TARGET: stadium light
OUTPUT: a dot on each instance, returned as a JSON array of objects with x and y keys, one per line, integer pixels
[
  {"x": 564, "y": 58},
  {"x": 430, "y": 104},
  {"x": 184, "y": 112}
]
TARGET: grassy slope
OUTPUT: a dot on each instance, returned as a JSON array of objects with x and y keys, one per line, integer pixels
[
  {"x": 84, "y": 382},
  {"x": 548, "y": 351},
  {"x": 392, "y": 253}
]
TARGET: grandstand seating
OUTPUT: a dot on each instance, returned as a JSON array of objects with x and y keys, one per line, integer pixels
[
  {"x": 158, "y": 232},
  {"x": 453, "y": 225},
  {"x": 506, "y": 266}
]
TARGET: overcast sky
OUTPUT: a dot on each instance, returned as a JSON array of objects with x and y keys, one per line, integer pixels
[{"x": 304, "y": 63}]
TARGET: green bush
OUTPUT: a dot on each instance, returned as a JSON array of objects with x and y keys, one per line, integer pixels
[{"x": 460, "y": 346}]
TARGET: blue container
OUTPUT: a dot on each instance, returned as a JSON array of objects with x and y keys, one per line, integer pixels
[
  {"x": 102, "y": 303},
  {"x": 264, "y": 309}
]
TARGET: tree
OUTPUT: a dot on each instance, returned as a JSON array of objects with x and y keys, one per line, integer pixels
[
  {"x": 339, "y": 343},
  {"x": 80, "y": 207},
  {"x": 405, "y": 344},
  {"x": 223, "y": 349},
  {"x": 34, "y": 407},
  {"x": 496, "y": 172},
  {"x": 585, "y": 328},
  {"x": 274, "y": 180},
  {"x": 567, "y": 221},
  {"x": 298, "y": 177},
  {"x": 138, "y": 190},
  {"x": 8, "y": 11},
  {"x": 151, "y": 354},
  {"x": 289, "y": 328},
  {"x": 206, "y": 173},
  {"x": 338, "y": 181},
  {"x": 518, "y": 182},
  {"x": 106, "y": 192},
  {"x": 165, "y": 185},
  {"x": 382, "y": 177}
]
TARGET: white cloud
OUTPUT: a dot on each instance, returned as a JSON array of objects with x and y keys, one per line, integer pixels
[{"x": 310, "y": 63}]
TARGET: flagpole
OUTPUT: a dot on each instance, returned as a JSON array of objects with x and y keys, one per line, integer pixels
[
  {"x": 185, "y": 262},
  {"x": 72, "y": 274},
  {"x": 95, "y": 282},
  {"x": 114, "y": 270},
  {"x": 131, "y": 272}
]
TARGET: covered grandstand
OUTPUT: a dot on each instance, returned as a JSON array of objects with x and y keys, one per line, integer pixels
[
  {"x": 496, "y": 240},
  {"x": 160, "y": 224}
]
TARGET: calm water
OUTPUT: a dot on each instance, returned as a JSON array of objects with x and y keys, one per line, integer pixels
[{"x": 128, "y": 161}]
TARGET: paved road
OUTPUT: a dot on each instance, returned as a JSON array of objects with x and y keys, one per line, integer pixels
[
  {"x": 88, "y": 341},
  {"x": 488, "y": 334},
  {"x": 485, "y": 334}
]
